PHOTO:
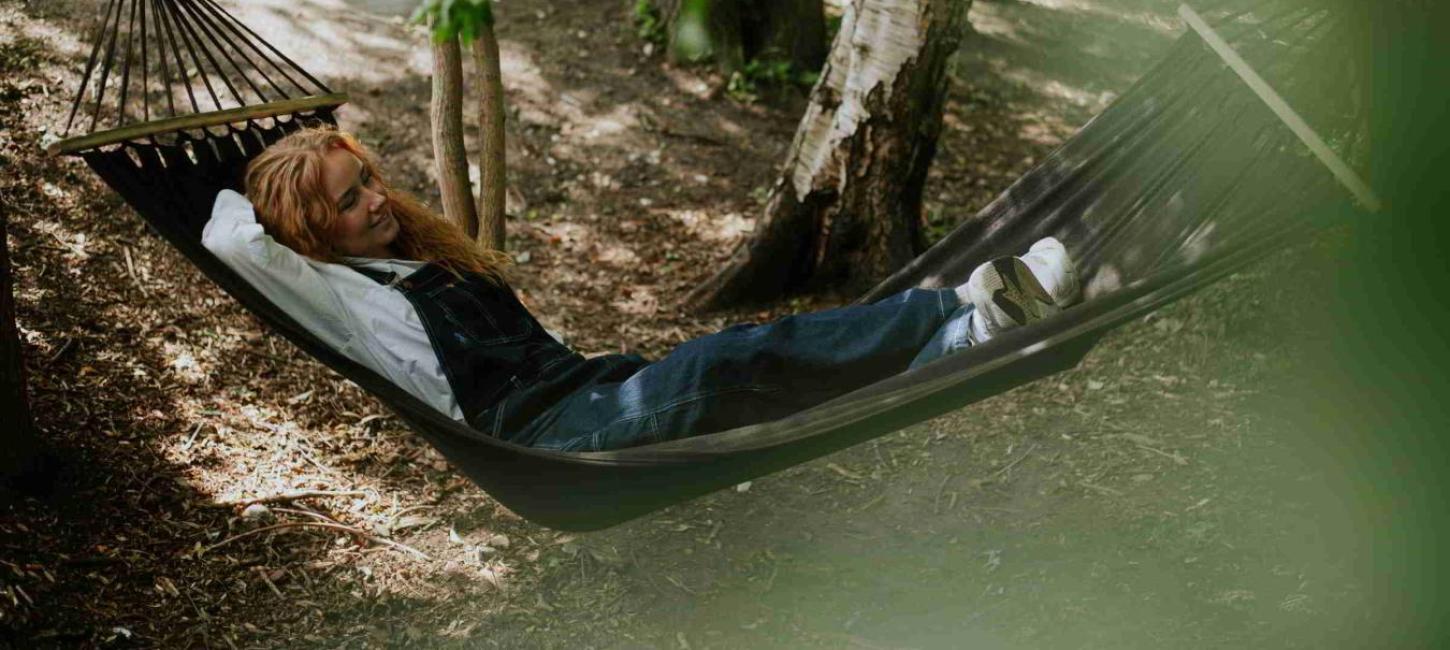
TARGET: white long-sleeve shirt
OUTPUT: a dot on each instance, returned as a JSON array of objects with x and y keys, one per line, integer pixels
[{"x": 367, "y": 322}]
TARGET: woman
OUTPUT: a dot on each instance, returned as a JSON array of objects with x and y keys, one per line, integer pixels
[{"x": 374, "y": 274}]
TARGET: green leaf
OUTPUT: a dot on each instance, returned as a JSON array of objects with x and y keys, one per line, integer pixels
[
  {"x": 454, "y": 18},
  {"x": 647, "y": 19},
  {"x": 464, "y": 22}
]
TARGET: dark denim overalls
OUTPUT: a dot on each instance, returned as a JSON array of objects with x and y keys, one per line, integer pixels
[{"x": 514, "y": 381}]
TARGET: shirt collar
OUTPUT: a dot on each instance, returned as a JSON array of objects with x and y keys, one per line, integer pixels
[{"x": 380, "y": 263}]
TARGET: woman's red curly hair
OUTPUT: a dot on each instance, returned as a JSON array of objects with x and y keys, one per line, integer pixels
[{"x": 286, "y": 188}]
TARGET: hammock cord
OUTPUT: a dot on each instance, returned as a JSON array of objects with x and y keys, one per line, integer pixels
[
  {"x": 181, "y": 67},
  {"x": 188, "y": 38},
  {"x": 216, "y": 16},
  {"x": 113, "y": 33},
  {"x": 126, "y": 64},
  {"x": 192, "y": 49},
  {"x": 98, "y": 36},
  {"x": 145, "y": 71},
  {"x": 258, "y": 39},
  {"x": 208, "y": 29},
  {"x": 165, "y": 65}
]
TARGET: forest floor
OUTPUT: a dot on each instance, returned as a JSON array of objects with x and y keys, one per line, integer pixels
[{"x": 1158, "y": 495}]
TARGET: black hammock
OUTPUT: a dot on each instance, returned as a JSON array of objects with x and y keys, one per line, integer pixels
[{"x": 1188, "y": 176}]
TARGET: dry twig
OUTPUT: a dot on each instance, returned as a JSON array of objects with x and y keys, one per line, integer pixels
[
  {"x": 1012, "y": 464},
  {"x": 318, "y": 524},
  {"x": 287, "y": 496}
]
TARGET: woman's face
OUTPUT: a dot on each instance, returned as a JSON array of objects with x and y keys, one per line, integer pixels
[{"x": 365, "y": 227}]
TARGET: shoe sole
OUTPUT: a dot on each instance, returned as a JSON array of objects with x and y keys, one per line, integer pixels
[
  {"x": 1016, "y": 291},
  {"x": 1069, "y": 289}
]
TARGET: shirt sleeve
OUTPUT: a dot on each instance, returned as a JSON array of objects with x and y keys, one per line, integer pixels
[{"x": 284, "y": 276}]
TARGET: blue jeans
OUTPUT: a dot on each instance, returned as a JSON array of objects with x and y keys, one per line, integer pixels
[{"x": 747, "y": 374}]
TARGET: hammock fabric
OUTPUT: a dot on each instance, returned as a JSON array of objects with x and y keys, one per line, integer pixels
[{"x": 1185, "y": 178}]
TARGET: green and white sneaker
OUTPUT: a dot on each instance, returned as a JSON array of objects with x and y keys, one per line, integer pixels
[{"x": 1014, "y": 291}]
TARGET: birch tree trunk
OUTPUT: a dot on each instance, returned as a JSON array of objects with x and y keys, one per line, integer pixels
[
  {"x": 492, "y": 157},
  {"x": 21, "y": 458},
  {"x": 847, "y": 208},
  {"x": 449, "y": 153}
]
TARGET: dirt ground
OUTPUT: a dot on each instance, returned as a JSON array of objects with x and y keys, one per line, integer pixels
[{"x": 1162, "y": 494}]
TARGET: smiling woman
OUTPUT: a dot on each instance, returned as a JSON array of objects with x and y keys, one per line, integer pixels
[
  {"x": 364, "y": 226},
  {"x": 404, "y": 292},
  {"x": 319, "y": 193}
]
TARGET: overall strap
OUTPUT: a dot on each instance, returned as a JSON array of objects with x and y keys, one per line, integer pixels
[
  {"x": 386, "y": 278},
  {"x": 430, "y": 276}
]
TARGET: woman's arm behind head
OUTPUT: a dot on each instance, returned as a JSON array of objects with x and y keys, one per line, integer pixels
[{"x": 294, "y": 283}]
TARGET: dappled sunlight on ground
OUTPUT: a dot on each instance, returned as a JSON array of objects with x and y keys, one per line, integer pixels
[
  {"x": 332, "y": 39},
  {"x": 523, "y": 76},
  {"x": 604, "y": 128},
  {"x": 728, "y": 228}
]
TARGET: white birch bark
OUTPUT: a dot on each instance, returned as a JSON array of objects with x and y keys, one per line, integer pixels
[
  {"x": 846, "y": 210},
  {"x": 881, "y": 36}
]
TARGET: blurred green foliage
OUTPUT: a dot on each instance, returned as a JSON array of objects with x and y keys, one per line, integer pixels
[
  {"x": 649, "y": 21},
  {"x": 758, "y": 75},
  {"x": 692, "y": 32},
  {"x": 1378, "y": 397},
  {"x": 454, "y": 18},
  {"x": 692, "y": 44}
]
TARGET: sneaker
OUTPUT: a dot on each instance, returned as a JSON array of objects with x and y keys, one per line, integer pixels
[
  {"x": 1054, "y": 270},
  {"x": 1014, "y": 291}
]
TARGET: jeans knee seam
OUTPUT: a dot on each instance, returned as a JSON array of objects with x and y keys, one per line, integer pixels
[
  {"x": 594, "y": 435},
  {"x": 652, "y": 417},
  {"x": 699, "y": 395},
  {"x": 653, "y": 414},
  {"x": 498, "y": 416}
]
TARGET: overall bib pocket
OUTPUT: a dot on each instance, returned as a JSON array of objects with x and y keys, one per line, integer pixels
[{"x": 484, "y": 318}]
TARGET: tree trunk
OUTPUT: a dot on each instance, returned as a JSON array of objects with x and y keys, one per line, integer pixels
[
  {"x": 847, "y": 208},
  {"x": 22, "y": 460},
  {"x": 788, "y": 30},
  {"x": 449, "y": 154},
  {"x": 492, "y": 157},
  {"x": 732, "y": 32}
]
